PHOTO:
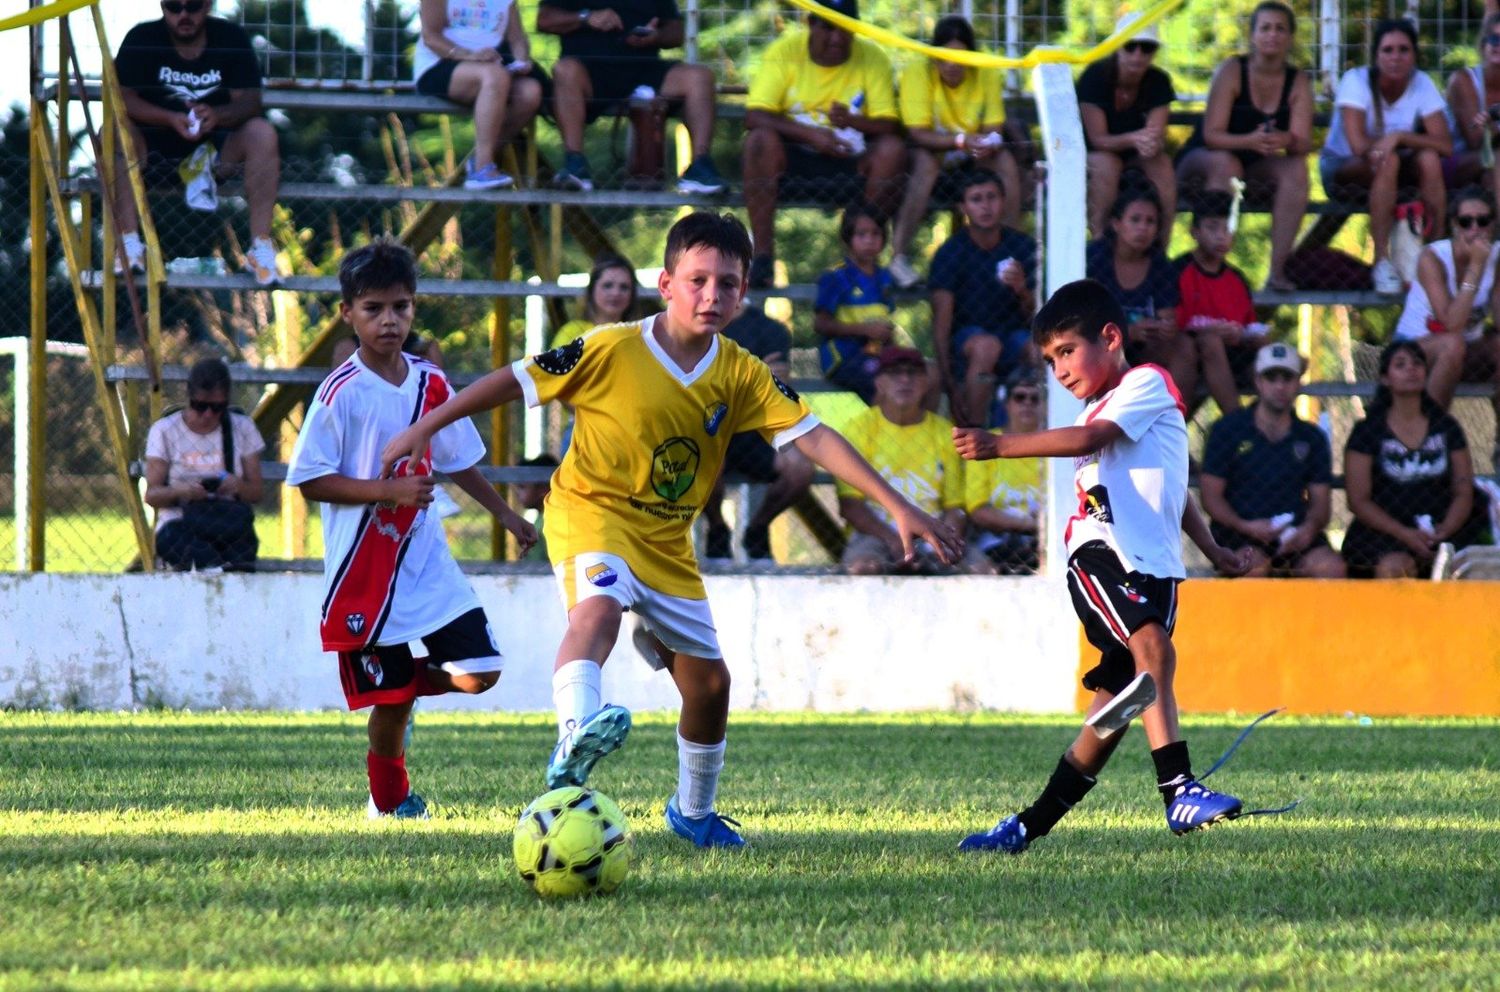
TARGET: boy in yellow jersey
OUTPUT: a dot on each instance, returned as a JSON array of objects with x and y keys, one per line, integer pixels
[{"x": 656, "y": 403}]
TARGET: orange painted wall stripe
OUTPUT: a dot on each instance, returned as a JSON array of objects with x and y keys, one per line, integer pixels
[{"x": 1396, "y": 648}]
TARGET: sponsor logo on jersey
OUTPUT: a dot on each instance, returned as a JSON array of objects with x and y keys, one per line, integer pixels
[
  {"x": 560, "y": 361},
  {"x": 356, "y": 623},
  {"x": 674, "y": 468},
  {"x": 601, "y": 575},
  {"x": 713, "y": 417},
  {"x": 1096, "y": 504}
]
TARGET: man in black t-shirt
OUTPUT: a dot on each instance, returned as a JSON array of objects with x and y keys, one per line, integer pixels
[
  {"x": 613, "y": 54},
  {"x": 190, "y": 82}
]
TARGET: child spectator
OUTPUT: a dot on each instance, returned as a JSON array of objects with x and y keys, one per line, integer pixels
[
  {"x": 657, "y": 403},
  {"x": 1004, "y": 495},
  {"x": 1129, "y": 446},
  {"x": 389, "y": 577},
  {"x": 1267, "y": 477},
  {"x": 1215, "y": 309},
  {"x": 853, "y": 311}
]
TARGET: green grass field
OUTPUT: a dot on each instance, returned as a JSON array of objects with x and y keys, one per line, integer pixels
[{"x": 165, "y": 850}]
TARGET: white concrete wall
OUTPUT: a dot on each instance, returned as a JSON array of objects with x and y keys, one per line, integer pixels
[{"x": 793, "y": 643}]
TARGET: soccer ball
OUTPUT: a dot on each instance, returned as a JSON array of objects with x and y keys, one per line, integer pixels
[{"x": 572, "y": 842}]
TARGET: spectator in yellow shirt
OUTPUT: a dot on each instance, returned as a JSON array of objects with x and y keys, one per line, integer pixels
[
  {"x": 610, "y": 297},
  {"x": 820, "y": 122},
  {"x": 953, "y": 116}
]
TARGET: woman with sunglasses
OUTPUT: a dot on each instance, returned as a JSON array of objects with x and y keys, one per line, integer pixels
[
  {"x": 1473, "y": 101},
  {"x": 203, "y": 516},
  {"x": 1258, "y": 126},
  {"x": 1124, "y": 101},
  {"x": 1450, "y": 308},
  {"x": 1389, "y": 131},
  {"x": 476, "y": 52}
]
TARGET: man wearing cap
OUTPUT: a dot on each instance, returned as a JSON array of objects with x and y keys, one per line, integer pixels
[
  {"x": 822, "y": 118},
  {"x": 1267, "y": 477},
  {"x": 1124, "y": 101},
  {"x": 912, "y": 449}
]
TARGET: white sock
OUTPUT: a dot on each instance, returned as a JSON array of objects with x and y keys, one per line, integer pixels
[
  {"x": 576, "y": 693},
  {"x": 698, "y": 767}
]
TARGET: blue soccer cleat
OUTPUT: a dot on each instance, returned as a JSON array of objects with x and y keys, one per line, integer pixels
[
  {"x": 709, "y": 830},
  {"x": 1009, "y": 836},
  {"x": 413, "y": 807},
  {"x": 596, "y": 735},
  {"x": 1195, "y": 807}
]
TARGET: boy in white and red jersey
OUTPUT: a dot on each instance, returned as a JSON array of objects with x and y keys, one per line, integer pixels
[
  {"x": 1124, "y": 542},
  {"x": 390, "y": 580}
]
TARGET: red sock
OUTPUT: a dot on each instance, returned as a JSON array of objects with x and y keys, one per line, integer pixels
[{"x": 388, "y": 784}]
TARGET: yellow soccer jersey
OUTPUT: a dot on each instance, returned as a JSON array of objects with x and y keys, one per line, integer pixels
[
  {"x": 927, "y": 103},
  {"x": 648, "y": 443},
  {"x": 1009, "y": 483},
  {"x": 918, "y": 461},
  {"x": 789, "y": 82}
]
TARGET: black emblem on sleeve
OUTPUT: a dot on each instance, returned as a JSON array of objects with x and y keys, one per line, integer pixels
[
  {"x": 786, "y": 390},
  {"x": 560, "y": 361}
]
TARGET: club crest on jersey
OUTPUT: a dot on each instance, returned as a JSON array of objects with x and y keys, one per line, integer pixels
[
  {"x": 601, "y": 575},
  {"x": 355, "y": 622},
  {"x": 713, "y": 417},
  {"x": 674, "y": 467},
  {"x": 1300, "y": 450},
  {"x": 1096, "y": 504},
  {"x": 560, "y": 361},
  {"x": 1132, "y": 595},
  {"x": 372, "y": 668},
  {"x": 786, "y": 390}
]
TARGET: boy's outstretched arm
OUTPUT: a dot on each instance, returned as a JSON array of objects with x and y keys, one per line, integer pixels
[
  {"x": 827, "y": 447},
  {"x": 499, "y": 386},
  {"x": 473, "y": 482},
  {"x": 977, "y": 444},
  {"x": 1225, "y": 561}
]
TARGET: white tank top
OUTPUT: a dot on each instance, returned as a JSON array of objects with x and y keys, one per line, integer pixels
[
  {"x": 1418, "y": 309},
  {"x": 474, "y": 24}
]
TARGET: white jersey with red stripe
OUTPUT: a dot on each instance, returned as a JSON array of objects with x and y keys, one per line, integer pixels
[
  {"x": 420, "y": 588},
  {"x": 1131, "y": 492}
]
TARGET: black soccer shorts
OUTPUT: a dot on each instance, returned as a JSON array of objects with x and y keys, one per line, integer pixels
[
  {"x": 1113, "y": 604},
  {"x": 390, "y": 674}
]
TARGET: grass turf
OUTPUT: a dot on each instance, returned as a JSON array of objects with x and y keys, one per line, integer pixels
[{"x": 168, "y": 850}]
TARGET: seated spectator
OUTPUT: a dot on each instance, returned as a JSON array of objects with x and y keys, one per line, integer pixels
[
  {"x": 953, "y": 117},
  {"x": 912, "y": 449},
  {"x": 787, "y": 473},
  {"x": 192, "y": 83},
  {"x": 1124, "y": 101},
  {"x": 1473, "y": 102},
  {"x": 609, "y": 298},
  {"x": 1268, "y": 475},
  {"x": 610, "y": 53},
  {"x": 1258, "y": 127},
  {"x": 1450, "y": 309},
  {"x": 1215, "y": 310},
  {"x": 982, "y": 286},
  {"x": 1387, "y": 144},
  {"x": 530, "y": 501},
  {"x": 820, "y": 121},
  {"x": 202, "y": 474},
  {"x": 1004, "y": 495},
  {"x": 478, "y": 55},
  {"x": 853, "y": 311},
  {"x": 1407, "y": 473},
  {"x": 1131, "y": 265}
]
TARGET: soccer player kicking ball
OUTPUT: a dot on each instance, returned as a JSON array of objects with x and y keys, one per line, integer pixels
[
  {"x": 1129, "y": 447},
  {"x": 656, "y": 403},
  {"x": 389, "y": 577}
]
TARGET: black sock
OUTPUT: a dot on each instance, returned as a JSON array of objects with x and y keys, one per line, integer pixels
[
  {"x": 1065, "y": 789},
  {"x": 1173, "y": 769}
]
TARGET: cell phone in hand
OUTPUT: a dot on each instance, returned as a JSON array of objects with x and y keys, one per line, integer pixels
[
  {"x": 211, "y": 483},
  {"x": 640, "y": 31}
]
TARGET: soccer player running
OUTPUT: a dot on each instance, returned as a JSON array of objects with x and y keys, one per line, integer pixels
[
  {"x": 656, "y": 403},
  {"x": 1124, "y": 543},
  {"x": 389, "y": 576}
]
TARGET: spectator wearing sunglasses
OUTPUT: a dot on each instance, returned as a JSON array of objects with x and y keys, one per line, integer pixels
[
  {"x": 1451, "y": 305},
  {"x": 202, "y": 504},
  {"x": 1124, "y": 101},
  {"x": 1473, "y": 105},
  {"x": 189, "y": 81}
]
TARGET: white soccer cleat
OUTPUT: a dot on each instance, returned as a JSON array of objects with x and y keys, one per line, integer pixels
[{"x": 1130, "y": 703}]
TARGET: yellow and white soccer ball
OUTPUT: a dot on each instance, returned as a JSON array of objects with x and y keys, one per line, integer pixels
[{"x": 572, "y": 842}]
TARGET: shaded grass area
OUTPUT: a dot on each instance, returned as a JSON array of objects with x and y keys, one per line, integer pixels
[{"x": 166, "y": 850}]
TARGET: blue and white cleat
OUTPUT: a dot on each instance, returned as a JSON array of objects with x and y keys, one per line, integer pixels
[
  {"x": 1009, "y": 835},
  {"x": 596, "y": 735},
  {"x": 1195, "y": 808},
  {"x": 1130, "y": 703},
  {"x": 709, "y": 830},
  {"x": 413, "y": 807}
]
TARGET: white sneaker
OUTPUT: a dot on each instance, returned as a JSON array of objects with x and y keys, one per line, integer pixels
[
  {"x": 902, "y": 272},
  {"x": 1386, "y": 279},
  {"x": 260, "y": 261},
  {"x": 135, "y": 253}
]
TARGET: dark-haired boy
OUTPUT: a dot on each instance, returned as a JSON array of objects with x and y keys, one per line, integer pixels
[
  {"x": 1129, "y": 446},
  {"x": 390, "y": 580},
  {"x": 656, "y": 403},
  {"x": 1216, "y": 310}
]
